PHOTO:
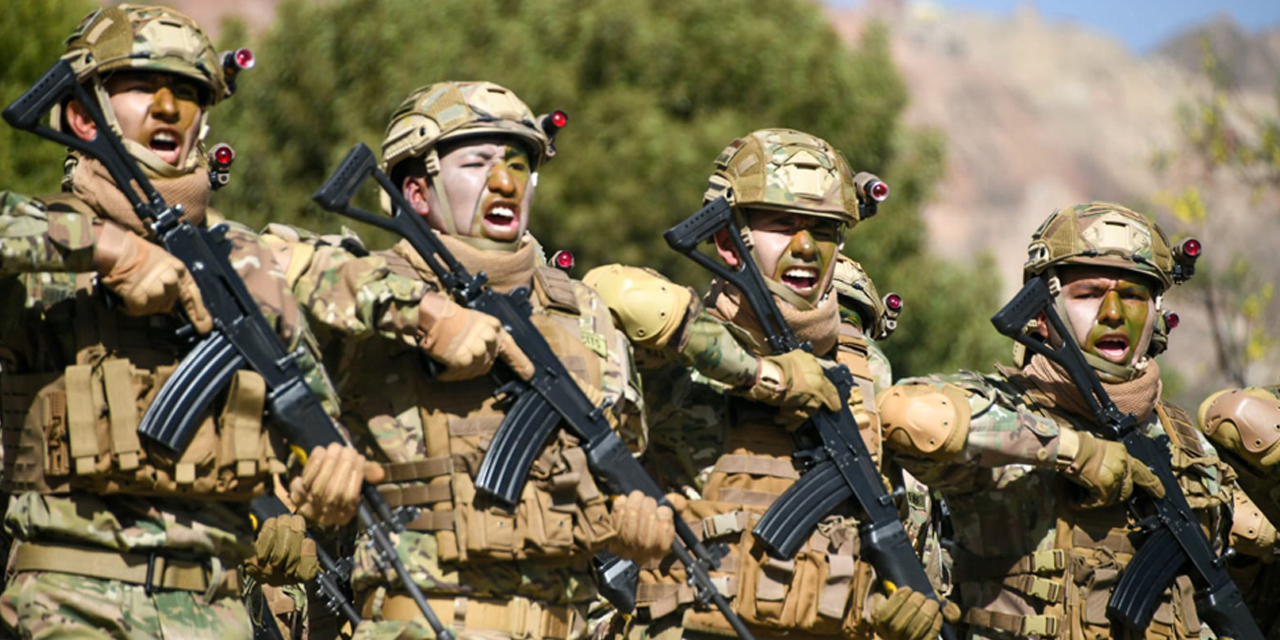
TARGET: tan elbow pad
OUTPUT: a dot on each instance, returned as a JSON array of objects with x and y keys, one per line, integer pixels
[
  {"x": 1251, "y": 533},
  {"x": 650, "y": 308},
  {"x": 1245, "y": 422},
  {"x": 925, "y": 420}
]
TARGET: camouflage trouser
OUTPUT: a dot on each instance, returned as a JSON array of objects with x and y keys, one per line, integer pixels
[{"x": 60, "y": 605}]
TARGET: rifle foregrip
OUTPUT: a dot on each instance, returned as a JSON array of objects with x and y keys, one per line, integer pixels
[
  {"x": 25, "y": 112},
  {"x": 691, "y": 232},
  {"x": 342, "y": 184},
  {"x": 1022, "y": 308},
  {"x": 792, "y": 518}
]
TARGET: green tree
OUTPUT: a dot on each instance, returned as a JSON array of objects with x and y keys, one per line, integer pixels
[
  {"x": 31, "y": 39},
  {"x": 654, "y": 91}
]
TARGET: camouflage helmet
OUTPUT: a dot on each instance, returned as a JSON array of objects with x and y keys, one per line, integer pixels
[
  {"x": 857, "y": 296},
  {"x": 143, "y": 38},
  {"x": 1104, "y": 235},
  {"x": 450, "y": 110},
  {"x": 786, "y": 169}
]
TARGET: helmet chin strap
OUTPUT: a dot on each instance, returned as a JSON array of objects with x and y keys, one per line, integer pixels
[
  {"x": 432, "y": 162},
  {"x": 150, "y": 161},
  {"x": 782, "y": 291}
]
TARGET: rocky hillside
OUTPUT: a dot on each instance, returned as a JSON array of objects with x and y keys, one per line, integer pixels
[{"x": 1040, "y": 114}]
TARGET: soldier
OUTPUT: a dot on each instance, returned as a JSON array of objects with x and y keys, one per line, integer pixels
[
  {"x": 117, "y": 537},
  {"x": 466, "y": 155},
  {"x": 1244, "y": 425},
  {"x": 724, "y": 408},
  {"x": 1038, "y": 502}
]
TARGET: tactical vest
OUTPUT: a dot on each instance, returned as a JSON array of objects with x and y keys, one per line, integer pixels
[
  {"x": 1063, "y": 592},
  {"x": 823, "y": 589},
  {"x": 431, "y": 436},
  {"x": 75, "y": 389}
]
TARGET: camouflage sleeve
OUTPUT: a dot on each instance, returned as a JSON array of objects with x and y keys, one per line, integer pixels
[
  {"x": 878, "y": 362},
  {"x": 33, "y": 239},
  {"x": 709, "y": 346},
  {"x": 958, "y": 432},
  {"x": 355, "y": 297},
  {"x": 253, "y": 258}
]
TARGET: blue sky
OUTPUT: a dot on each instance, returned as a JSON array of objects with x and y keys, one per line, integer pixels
[{"x": 1141, "y": 24}]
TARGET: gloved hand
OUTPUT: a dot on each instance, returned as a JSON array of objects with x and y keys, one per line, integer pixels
[
  {"x": 283, "y": 554},
  {"x": 794, "y": 380},
  {"x": 1104, "y": 468},
  {"x": 328, "y": 491},
  {"x": 466, "y": 342},
  {"x": 147, "y": 279},
  {"x": 909, "y": 615},
  {"x": 645, "y": 530}
]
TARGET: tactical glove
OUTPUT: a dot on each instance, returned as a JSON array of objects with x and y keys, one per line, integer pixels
[
  {"x": 796, "y": 381},
  {"x": 645, "y": 530},
  {"x": 1104, "y": 468},
  {"x": 147, "y": 279},
  {"x": 328, "y": 491},
  {"x": 909, "y": 615},
  {"x": 466, "y": 342},
  {"x": 283, "y": 554}
]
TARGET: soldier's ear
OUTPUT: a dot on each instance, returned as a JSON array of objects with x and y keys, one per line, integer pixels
[
  {"x": 415, "y": 191},
  {"x": 82, "y": 126},
  {"x": 724, "y": 247}
]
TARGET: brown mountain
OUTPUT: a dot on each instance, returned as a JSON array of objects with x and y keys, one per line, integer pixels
[{"x": 1040, "y": 114}]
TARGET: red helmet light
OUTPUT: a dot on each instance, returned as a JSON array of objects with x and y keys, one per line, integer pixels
[
  {"x": 244, "y": 58},
  {"x": 563, "y": 260},
  {"x": 559, "y": 118},
  {"x": 878, "y": 191},
  {"x": 1172, "y": 320},
  {"x": 893, "y": 301}
]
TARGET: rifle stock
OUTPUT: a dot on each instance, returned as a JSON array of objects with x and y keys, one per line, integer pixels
[
  {"x": 843, "y": 467},
  {"x": 1174, "y": 538},
  {"x": 553, "y": 398},
  {"x": 237, "y": 319}
]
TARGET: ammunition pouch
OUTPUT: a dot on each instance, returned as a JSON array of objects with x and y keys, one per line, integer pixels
[{"x": 77, "y": 428}]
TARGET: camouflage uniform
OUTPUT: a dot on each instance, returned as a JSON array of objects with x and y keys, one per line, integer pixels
[
  {"x": 732, "y": 457},
  {"x": 96, "y": 512},
  {"x": 487, "y": 572},
  {"x": 1030, "y": 558},
  {"x": 1242, "y": 423}
]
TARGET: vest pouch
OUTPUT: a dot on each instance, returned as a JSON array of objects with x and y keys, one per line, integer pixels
[
  {"x": 809, "y": 592},
  {"x": 37, "y": 455}
]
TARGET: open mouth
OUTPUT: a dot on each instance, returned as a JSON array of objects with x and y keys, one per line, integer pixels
[
  {"x": 502, "y": 220},
  {"x": 1112, "y": 347},
  {"x": 802, "y": 279},
  {"x": 165, "y": 143}
]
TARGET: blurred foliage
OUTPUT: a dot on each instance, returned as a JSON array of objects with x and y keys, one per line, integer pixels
[
  {"x": 654, "y": 91},
  {"x": 32, "y": 36},
  {"x": 1223, "y": 141}
]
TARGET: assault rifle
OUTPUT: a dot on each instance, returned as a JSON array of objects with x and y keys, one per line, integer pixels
[
  {"x": 241, "y": 335},
  {"x": 1173, "y": 537},
  {"x": 333, "y": 581},
  {"x": 840, "y": 468},
  {"x": 542, "y": 404}
]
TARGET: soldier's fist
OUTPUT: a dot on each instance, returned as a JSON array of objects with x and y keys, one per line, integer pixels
[
  {"x": 466, "y": 342},
  {"x": 328, "y": 491},
  {"x": 1105, "y": 469},
  {"x": 147, "y": 279},
  {"x": 283, "y": 554},
  {"x": 645, "y": 530},
  {"x": 909, "y": 615},
  {"x": 794, "y": 380}
]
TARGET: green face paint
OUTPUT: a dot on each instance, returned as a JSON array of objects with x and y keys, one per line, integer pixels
[
  {"x": 797, "y": 251},
  {"x": 1111, "y": 312}
]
